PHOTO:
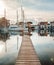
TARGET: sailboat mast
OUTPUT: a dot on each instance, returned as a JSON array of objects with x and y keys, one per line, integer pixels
[
  {"x": 5, "y": 13},
  {"x": 22, "y": 14},
  {"x": 17, "y": 17}
]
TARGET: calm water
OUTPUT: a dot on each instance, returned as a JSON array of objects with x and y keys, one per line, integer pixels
[
  {"x": 43, "y": 43},
  {"x": 9, "y": 49},
  {"x": 44, "y": 47}
]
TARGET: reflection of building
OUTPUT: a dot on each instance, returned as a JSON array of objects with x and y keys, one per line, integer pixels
[
  {"x": 42, "y": 33},
  {"x": 48, "y": 27},
  {"x": 51, "y": 34},
  {"x": 4, "y": 37},
  {"x": 43, "y": 25},
  {"x": 52, "y": 26}
]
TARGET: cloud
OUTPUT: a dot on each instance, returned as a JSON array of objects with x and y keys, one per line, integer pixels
[
  {"x": 12, "y": 3},
  {"x": 46, "y": 5},
  {"x": 30, "y": 14},
  {"x": 33, "y": 9},
  {"x": 36, "y": 14}
]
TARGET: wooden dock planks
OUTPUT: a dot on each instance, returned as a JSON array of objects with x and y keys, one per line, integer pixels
[{"x": 27, "y": 54}]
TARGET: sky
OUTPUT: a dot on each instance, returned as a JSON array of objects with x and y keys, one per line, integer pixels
[{"x": 33, "y": 9}]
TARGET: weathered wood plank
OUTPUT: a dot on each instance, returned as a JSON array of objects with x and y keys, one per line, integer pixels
[{"x": 27, "y": 54}]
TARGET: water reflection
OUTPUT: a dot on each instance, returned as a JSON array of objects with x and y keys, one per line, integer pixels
[
  {"x": 44, "y": 45},
  {"x": 45, "y": 33},
  {"x": 4, "y": 38},
  {"x": 9, "y": 48},
  {"x": 51, "y": 34},
  {"x": 42, "y": 40}
]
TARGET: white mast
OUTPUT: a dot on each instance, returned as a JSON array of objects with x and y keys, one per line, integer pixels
[
  {"x": 5, "y": 13},
  {"x": 17, "y": 16},
  {"x": 22, "y": 14}
]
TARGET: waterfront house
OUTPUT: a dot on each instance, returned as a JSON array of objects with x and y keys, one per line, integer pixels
[
  {"x": 29, "y": 26},
  {"x": 21, "y": 24},
  {"x": 52, "y": 23}
]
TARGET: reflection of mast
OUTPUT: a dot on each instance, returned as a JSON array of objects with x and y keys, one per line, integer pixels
[
  {"x": 5, "y": 47},
  {"x": 17, "y": 42},
  {"x": 5, "y": 43}
]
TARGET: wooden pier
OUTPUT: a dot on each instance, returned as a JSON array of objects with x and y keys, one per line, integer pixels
[{"x": 27, "y": 54}]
